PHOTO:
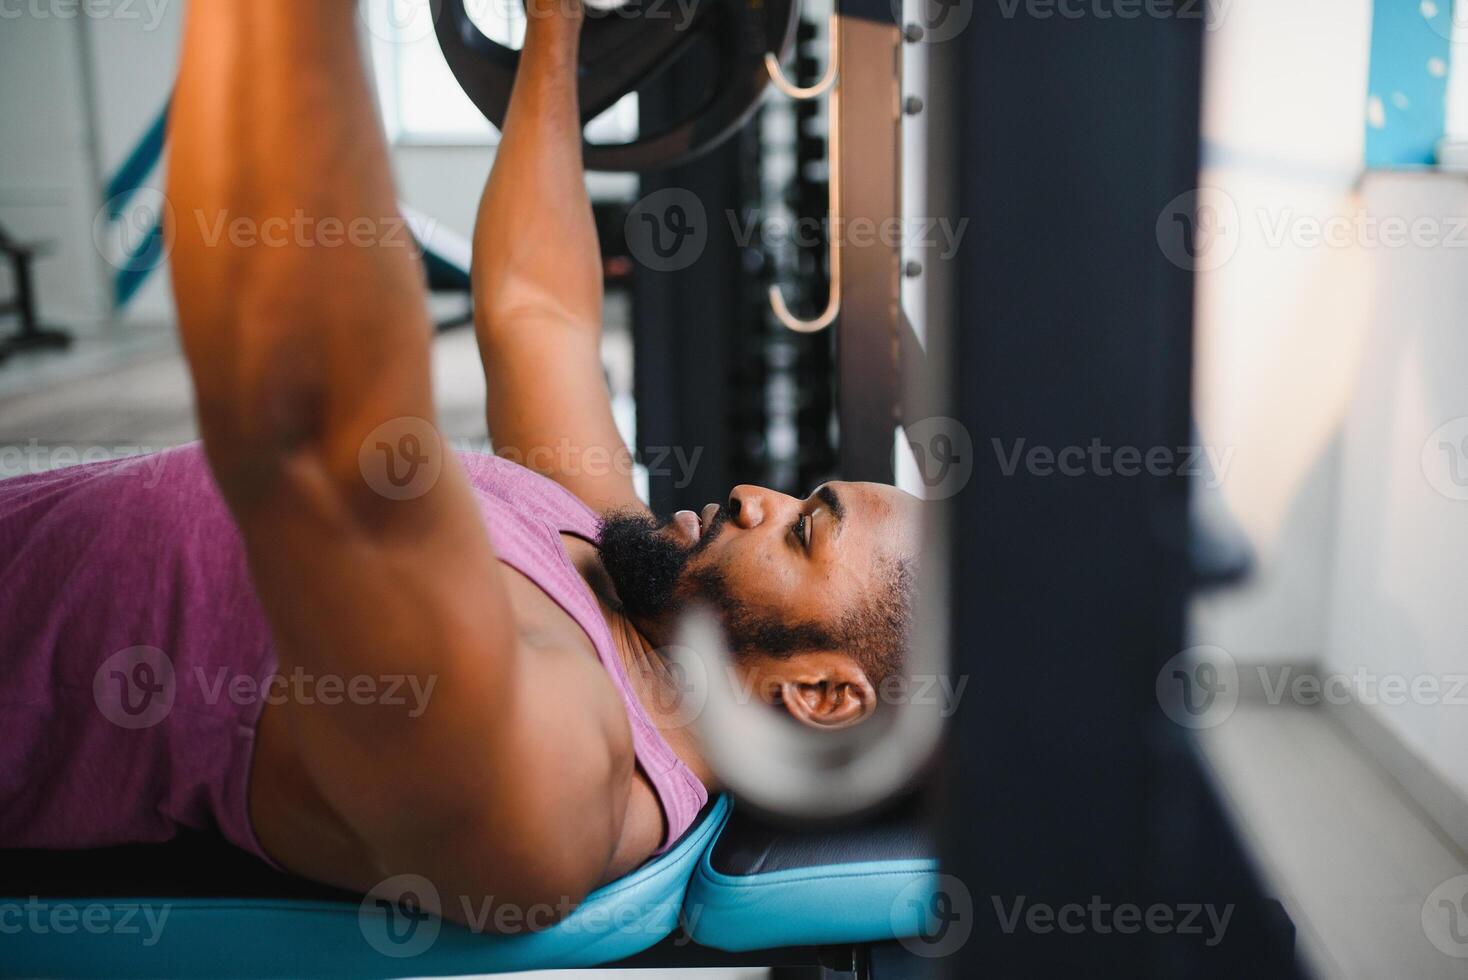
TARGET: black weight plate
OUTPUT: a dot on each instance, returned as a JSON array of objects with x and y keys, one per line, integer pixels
[{"x": 624, "y": 49}]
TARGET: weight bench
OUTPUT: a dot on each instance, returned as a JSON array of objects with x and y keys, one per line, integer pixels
[
  {"x": 732, "y": 892},
  {"x": 31, "y": 335}
]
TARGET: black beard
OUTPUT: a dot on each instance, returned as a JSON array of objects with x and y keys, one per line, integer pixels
[
  {"x": 649, "y": 570},
  {"x": 647, "y": 566}
]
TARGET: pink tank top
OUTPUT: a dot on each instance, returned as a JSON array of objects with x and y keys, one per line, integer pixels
[{"x": 136, "y": 658}]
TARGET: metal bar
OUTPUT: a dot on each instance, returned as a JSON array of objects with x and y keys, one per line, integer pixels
[
  {"x": 870, "y": 132},
  {"x": 768, "y": 762},
  {"x": 687, "y": 330}
]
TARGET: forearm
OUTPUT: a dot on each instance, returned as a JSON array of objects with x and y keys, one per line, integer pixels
[
  {"x": 299, "y": 294},
  {"x": 535, "y": 250},
  {"x": 538, "y": 283}
]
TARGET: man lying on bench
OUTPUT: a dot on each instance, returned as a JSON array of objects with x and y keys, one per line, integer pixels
[{"x": 346, "y": 648}]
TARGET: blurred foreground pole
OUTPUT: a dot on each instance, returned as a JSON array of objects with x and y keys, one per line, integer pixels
[{"x": 1081, "y": 834}]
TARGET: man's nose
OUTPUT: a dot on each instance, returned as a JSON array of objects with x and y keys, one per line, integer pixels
[{"x": 749, "y": 507}]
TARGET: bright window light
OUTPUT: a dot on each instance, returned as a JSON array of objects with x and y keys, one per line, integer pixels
[
  {"x": 421, "y": 101},
  {"x": 1456, "y": 124}
]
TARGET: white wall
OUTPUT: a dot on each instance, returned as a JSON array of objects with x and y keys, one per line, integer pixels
[
  {"x": 1400, "y": 572},
  {"x": 80, "y": 89},
  {"x": 134, "y": 59},
  {"x": 54, "y": 161},
  {"x": 443, "y": 181},
  {"x": 1280, "y": 321},
  {"x": 47, "y": 178},
  {"x": 1328, "y": 355}
]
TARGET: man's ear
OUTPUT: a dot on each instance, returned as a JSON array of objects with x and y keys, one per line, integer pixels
[{"x": 828, "y": 691}]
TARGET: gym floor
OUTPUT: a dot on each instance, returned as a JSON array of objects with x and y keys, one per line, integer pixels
[
  {"x": 1343, "y": 846},
  {"x": 1341, "y": 843}
]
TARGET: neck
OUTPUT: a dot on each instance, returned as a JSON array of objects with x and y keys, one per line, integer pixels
[
  {"x": 649, "y": 674},
  {"x": 658, "y": 689}
]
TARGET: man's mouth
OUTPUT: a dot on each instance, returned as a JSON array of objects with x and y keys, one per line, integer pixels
[
  {"x": 695, "y": 525},
  {"x": 689, "y": 523}
]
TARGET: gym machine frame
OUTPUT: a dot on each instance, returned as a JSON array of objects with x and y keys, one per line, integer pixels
[{"x": 1060, "y": 321}]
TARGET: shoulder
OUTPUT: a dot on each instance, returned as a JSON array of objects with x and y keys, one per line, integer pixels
[{"x": 530, "y": 492}]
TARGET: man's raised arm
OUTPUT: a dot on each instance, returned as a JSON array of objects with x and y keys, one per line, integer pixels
[
  {"x": 302, "y": 308},
  {"x": 538, "y": 280}
]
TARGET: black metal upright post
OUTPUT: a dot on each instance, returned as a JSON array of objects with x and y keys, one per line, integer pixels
[
  {"x": 1063, "y": 785},
  {"x": 692, "y": 329}
]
